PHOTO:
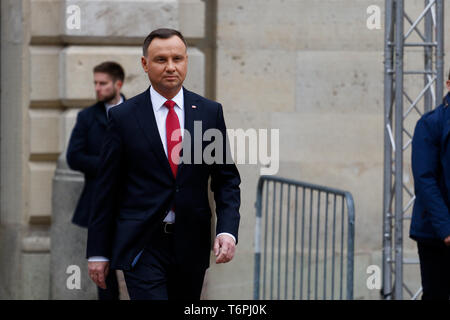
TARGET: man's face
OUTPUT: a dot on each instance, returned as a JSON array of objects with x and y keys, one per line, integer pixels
[
  {"x": 166, "y": 64},
  {"x": 105, "y": 88},
  {"x": 448, "y": 85}
]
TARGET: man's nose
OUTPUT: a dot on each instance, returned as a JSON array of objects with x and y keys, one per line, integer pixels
[{"x": 170, "y": 65}]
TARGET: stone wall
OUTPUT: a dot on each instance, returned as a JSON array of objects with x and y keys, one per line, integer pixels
[
  {"x": 315, "y": 71},
  {"x": 309, "y": 68},
  {"x": 46, "y": 79}
]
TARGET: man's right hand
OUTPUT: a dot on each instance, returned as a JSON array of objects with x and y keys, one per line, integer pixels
[
  {"x": 98, "y": 270},
  {"x": 447, "y": 241}
]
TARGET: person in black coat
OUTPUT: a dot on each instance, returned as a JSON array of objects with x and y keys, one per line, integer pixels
[
  {"x": 83, "y": 153},
  {"x": 430, "y": 223}
]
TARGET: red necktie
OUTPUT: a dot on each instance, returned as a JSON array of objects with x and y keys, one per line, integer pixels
[{"x": 172, "y": 124}]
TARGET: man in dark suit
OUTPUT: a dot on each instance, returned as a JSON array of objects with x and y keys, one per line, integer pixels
[
  {"x": 152, "y": 217},
  {"x": 83, "y": 153},
  {"x": 430, "y": 223}
]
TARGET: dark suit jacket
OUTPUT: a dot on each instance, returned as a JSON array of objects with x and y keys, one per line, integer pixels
[
  {"x": 135, "y": 178},
  {"x": 83, "y": 154},
  {"x": 431, "y": 171}
]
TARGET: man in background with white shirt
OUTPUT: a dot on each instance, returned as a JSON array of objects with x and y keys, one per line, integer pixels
[
  {"x": 83, "y": 153},
  {"x": 151, "y": 216}
]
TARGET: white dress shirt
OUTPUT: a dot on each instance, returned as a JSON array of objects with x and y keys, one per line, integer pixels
[{"x": 161, "y": 112}]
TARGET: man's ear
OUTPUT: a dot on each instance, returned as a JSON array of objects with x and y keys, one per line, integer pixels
[
  {"x": 119, "y": 84},
  {"x": 144, "y": 64}
]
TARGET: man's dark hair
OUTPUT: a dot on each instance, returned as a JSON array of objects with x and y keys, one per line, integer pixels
[
  {"x": 449, "y": 75},
  {"x": 162, "y": 33},
  {"x": 112, "y": 68}
]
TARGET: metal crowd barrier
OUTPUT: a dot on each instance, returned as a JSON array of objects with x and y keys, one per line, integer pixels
[{"x": 304, "y": 241}]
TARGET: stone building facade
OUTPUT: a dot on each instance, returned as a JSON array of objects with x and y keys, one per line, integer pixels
[{"x": 309, "y": 68}]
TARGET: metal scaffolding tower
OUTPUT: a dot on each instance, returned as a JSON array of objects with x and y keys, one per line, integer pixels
[{"x": 405, "y": 37}]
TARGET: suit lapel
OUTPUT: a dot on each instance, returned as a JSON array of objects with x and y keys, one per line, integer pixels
[
  {"x": 146, "y": 119},
  {"x": 190, "y": 115}
]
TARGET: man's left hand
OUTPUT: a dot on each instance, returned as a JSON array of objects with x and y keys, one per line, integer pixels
[{"x": 224, "y": 248}]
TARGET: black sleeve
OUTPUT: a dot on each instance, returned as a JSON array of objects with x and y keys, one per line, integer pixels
[
  {"x": 77, "y": 157},
  {"x": 425, "y": 167}
]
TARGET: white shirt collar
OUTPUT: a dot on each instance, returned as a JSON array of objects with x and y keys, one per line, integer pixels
[{"x": 158, "y": 100}]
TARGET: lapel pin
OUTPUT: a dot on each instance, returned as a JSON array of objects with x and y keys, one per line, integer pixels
[{"x": 194, "y": 107}]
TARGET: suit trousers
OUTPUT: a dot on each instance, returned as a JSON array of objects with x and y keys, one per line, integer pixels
[
  {"x": 434, "y": 269},
  {"x": 157, "y": 276}
]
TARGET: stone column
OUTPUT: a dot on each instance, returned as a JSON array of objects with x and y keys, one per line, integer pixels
[{"x": 68, "y": 246}]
